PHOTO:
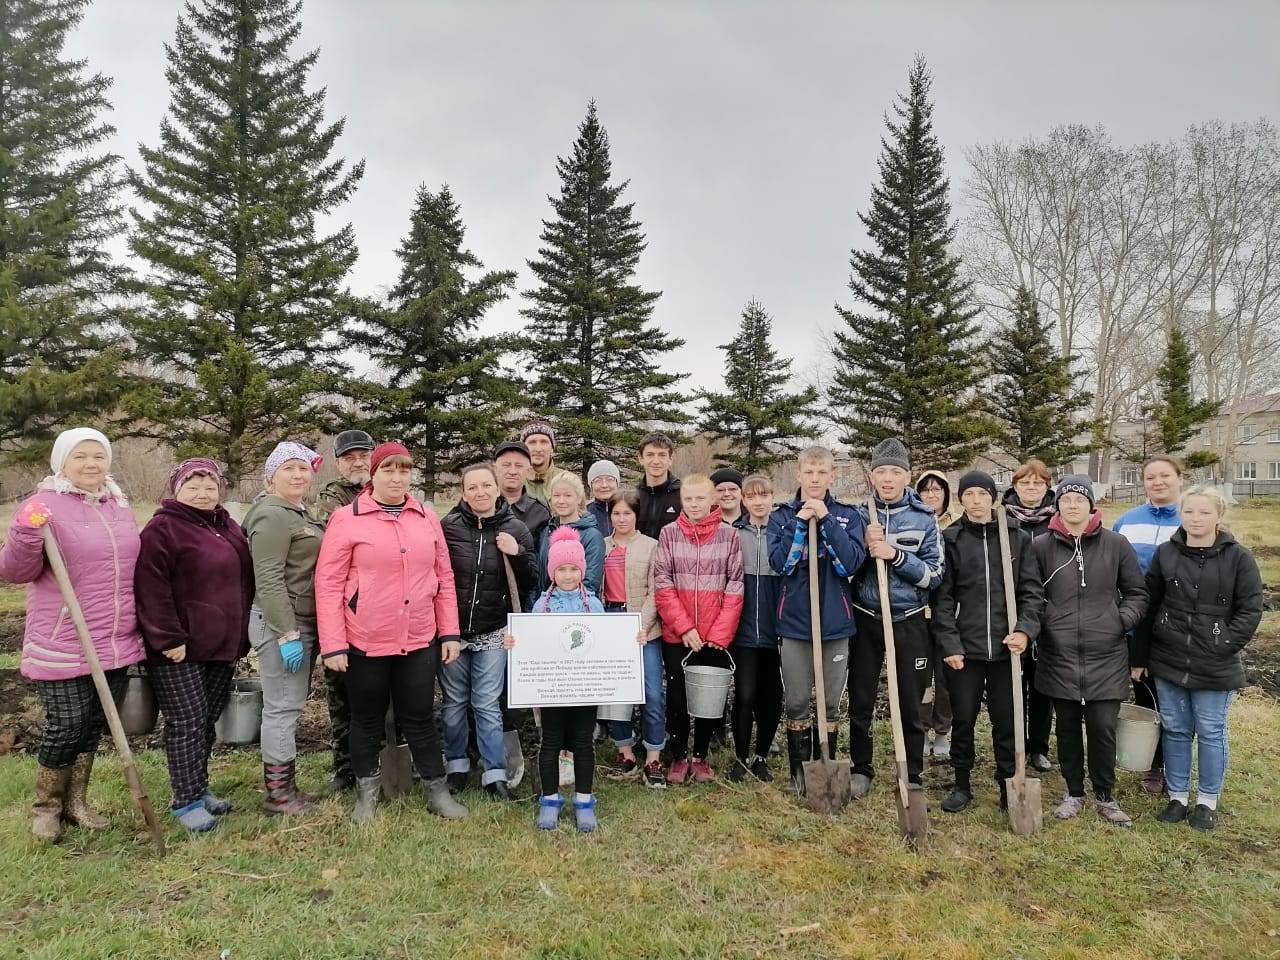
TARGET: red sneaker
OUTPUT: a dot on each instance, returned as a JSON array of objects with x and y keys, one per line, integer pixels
[
  {"x": 678, "y": 773},
  {"x": 702, "y": 771}
]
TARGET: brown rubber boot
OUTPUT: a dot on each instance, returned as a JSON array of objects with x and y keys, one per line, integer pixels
[
  {"x": 76, "y": 809},
  {"x": 46, "y": 812},
  {"x": 282, "y": 794}
]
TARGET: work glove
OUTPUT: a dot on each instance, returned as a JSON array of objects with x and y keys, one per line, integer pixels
[{"x": 291, "y": 652}]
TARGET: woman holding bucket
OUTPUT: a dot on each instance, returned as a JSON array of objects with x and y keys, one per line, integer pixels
[
  {"x": 628, "y": 587},
  {"x": 284, "y": 541},
  {"x": 1206, "y": 603},
  {"x": 193, "y": 588},
  {"x": 698, "y": 588},
  {"x": 98, "y": 536}
]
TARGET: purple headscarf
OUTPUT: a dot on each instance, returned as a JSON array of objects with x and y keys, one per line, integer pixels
[{"x": 191, "y": 466}]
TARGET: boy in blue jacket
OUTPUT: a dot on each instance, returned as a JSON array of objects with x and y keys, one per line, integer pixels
[
  {"x": 840, "y": 552},
  {"x": 904, "y": 533}
]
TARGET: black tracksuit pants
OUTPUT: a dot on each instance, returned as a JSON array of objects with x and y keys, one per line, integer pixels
[
  {"x": 967, "y": 686},
  {"x": 1039, "y": 712},
  {"x": 757, "y": 698},
  {"x": 1099, "y": 719},
  {"x": 866, "y": 658}
]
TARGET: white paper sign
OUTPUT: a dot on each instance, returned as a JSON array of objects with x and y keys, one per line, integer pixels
[{"x": 574, "y": 659}]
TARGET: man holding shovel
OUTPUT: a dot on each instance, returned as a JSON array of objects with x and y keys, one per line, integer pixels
[
  {"x": 971, "y": 627},
  {"x": 840, "y": 552},
  {"x": 904, "y": 534}
]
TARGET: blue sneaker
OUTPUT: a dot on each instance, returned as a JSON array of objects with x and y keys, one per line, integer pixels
[
  {"x": 549, "y": 812},
  {"x": 585, "y": 811},
  {"x": 215, "y": 804},
  {"x": 195, "y": 817}
]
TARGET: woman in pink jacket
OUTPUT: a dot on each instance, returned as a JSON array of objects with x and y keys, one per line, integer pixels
[
  {"x": 98, "y": 538},
  {"x": 387, "y": 615}
]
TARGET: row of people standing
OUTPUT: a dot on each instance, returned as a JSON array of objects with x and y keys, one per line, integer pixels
[{"x": 202, "y": 585}]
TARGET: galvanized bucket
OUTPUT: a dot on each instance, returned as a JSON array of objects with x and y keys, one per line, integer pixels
[
  {"x": 241, "y": 719},
  {"x": 139, "y": 710},
  {"x": 707, "y": 688}
]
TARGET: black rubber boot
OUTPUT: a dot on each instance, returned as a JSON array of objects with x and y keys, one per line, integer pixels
[
  {"x": 799, "y": 749},
  {"x": 815, "y": 748},
  {"x": 833, "y": 741}
]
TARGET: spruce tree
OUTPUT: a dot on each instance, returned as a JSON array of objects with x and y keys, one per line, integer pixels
[
  {"x": 755, "y": 413},
  {"x": 1034, "y": 399},
  {"x": 906, "y": 363},
  {"x": 1176, "y": 412},
  {"x": 444, "y": 394},
  {"x": 597, "y": 364},
  {"x": 245, "y": 295},
  {"x": 59, "y": 332}
]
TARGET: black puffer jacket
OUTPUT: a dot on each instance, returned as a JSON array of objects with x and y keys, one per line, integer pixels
[
  {"x": 1206, "y": 603},
  {"x": 969, "y": 616},
  {"x": 1094, "y": 594},
  {"x": 478, "y": 572}
]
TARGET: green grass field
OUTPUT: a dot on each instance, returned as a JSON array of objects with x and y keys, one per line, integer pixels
[{"x": 708, "y": 871}]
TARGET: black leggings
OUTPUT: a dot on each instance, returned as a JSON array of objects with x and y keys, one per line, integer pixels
[
  {"x": 567, "y": 728},
  {"x": 967, "y": 686},
  {"x": 673, "y": 655},
  {"x": 1099, "y": 719},
  {"x": 406, "y": 681},
  {"x": 757, "y": 696}
]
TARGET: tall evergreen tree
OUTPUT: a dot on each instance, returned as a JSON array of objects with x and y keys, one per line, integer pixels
[
  {"x": 756, "y": 414},
  {"x": 245, "y": 296},
  {"x": 1034, "y": 395},
  {"x": 1176, "y": 412},
  {"x": 596, "y": 360},
  {"x": 59, "y": 359},
  {"x": 906, "y": 366},
  {"x": 444, "y": 393}
]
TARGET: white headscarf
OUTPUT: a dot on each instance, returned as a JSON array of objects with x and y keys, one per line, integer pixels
[{"x": 68, "y": 440}]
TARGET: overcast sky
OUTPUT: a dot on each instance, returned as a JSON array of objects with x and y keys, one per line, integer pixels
[{"x": 749, "y": 131}]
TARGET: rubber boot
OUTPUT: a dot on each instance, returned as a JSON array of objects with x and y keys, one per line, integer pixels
[
  {"x": 440, "y": 801},
  {"x": 76, "y": 809},
  {"x": 368, "y": 790},
  {"x": 799, "y": 749},
  {"x": 815, "y": 752},
  {"x": 833, "y": 741},
  {"x": 282, "y": 796},
  {"x": 46, "y": 812}
]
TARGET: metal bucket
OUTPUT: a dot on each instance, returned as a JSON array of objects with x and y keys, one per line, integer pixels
[
  {"x": 707, "y": 688},
  {"x": 1137, "y": 734},
  {"x": 139, "y": 710},
  {"x": 241, "y": 720},
  {"x": 620, "y": 712}
]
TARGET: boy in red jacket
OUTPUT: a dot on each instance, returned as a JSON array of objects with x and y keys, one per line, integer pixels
[{"x": 698, "y": 581}]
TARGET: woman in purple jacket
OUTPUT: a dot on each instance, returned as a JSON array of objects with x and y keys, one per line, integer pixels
[
  {"x": 98, "y": 539},
  {"x": 193, "y": 588}
]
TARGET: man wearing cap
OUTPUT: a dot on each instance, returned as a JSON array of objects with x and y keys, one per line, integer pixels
[
  {"x": 540, "y": 440},
  {"x": 512, "y": 463},
  {"x": 603, "y": 479},
  {"x": 351, "y": 448},
  {"x": 728, "y": 482}
]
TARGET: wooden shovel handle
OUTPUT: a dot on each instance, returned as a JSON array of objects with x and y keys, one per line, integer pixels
[
  {"x": 1015, "y": 660},
  {"x": 59, "y": 568},
  {"x": 891, "y": 664},
  {"x": 513, "y": 588},
  {"x": 815, "y": 623}
]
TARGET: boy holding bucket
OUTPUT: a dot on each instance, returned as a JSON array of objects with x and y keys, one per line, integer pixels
[
  {"x": 840, "y": 552},
  {"x": 698, "y": 587}
]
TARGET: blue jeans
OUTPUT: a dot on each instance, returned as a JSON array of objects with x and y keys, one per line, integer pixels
[
  {"x": 474, "y": 680},
  {"x": 653, "y": 726},
  {"x": 1201, "y": 714}
]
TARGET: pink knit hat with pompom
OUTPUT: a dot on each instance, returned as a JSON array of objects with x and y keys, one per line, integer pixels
[{"x": 566, "y": 551}]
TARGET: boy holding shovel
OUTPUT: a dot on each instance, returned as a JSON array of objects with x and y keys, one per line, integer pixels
[
  {"x": 904, "y": 534},
  {"x": 840, "y": 552},
  {"x": 971, "y": 627}
]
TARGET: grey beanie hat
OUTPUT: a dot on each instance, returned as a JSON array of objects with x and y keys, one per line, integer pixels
[
  {"x": 603, "y": 468},
  {"x": 890, "y": 452},
  {"x": 1075, "y": 483}
]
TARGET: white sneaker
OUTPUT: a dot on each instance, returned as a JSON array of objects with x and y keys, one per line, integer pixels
[{"x": 941, "y": 747}]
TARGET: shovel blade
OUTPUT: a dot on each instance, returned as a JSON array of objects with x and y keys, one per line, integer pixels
[
  {"x": 913, "y": 817},
  {"x": 1026, "y": 811},
  {"x": 826, "y": 785}
]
